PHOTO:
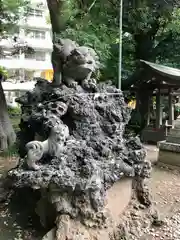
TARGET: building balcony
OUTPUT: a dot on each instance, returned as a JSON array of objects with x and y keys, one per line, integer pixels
[
  {"x": 44, "y": 44},
  {"x": 35, "y": 22},
  {"x": 36, "y": 44},
  {"x": 28, "y": 64}
]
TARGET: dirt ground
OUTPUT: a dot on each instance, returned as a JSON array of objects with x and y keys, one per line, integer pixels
[{"x": 165, "y": 189}]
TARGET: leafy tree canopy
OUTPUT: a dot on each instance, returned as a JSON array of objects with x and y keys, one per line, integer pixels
[
  {"x": 150, "y": 27},
  {"x": 11, "y": 11}
]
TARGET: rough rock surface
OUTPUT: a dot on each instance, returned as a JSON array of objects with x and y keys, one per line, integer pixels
[
  {"x": 97, "y": 153},
  {"x": 75, "y": 174}
]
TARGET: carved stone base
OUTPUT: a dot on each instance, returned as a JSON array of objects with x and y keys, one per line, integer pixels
[
  {"x": 169, "y": 153},
  {"x": 50, "y": 235},
  {"x": 118, "y": 198}
]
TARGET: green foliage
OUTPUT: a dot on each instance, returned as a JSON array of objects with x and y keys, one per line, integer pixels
[
  {"x": 154, "y": 26},
  {"x": 15, "y": 116},
  {"x": 3, "y": 72},
  {"x": 168, "y": 50},
  {"x": 10, "y": 152},
  {"x": 11, "y": 11},
  {"x": 14, "y": 111},
  {"x": 88, "y": 24},
  {"x": 150, "y": 27}
]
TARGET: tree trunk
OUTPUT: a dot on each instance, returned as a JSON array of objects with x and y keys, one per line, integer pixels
[
  {"x": 7, "y": 134},
  {"x": 144, "y": 44},
  {"x": 55, "y": 10}
]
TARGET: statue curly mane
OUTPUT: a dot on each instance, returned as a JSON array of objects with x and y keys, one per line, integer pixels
[{"x": 52, "y": 146}]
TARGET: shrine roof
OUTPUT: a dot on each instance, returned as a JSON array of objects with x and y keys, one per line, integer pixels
[{"x": 164, "y": 71}]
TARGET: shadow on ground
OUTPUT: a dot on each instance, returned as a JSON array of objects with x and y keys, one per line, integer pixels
[{"x": 18, "y": 219}]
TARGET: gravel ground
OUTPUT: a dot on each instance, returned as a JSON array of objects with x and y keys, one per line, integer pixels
[{"x": 165, "y": 188}]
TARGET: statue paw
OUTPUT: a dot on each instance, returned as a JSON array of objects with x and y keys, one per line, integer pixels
[
  {"x": 89, "y": 84},
  {"x": 34, "y": 167},
  {"x": 72, "y": 84}
]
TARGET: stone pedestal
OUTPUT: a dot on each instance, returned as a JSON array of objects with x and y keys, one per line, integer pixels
[
  {"x": 169, "y": 150},
  {"x": 118, "y": 198}
]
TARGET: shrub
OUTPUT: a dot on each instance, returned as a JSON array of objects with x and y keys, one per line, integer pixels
[{"x": 14, "y": 112}]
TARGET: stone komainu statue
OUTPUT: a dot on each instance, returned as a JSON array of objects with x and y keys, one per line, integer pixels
[
  {"x": 52, "y": 146},
  {"x": 77, "y": 62}
]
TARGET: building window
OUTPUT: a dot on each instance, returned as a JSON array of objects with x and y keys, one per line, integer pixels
[
  {"x": 28, "y": 75},
  {"x": 37, "y": 56},
  {"x": 40, "y": 56},
  {"x": 36, "y": 34},
  {"x": 35, "y": 12}
]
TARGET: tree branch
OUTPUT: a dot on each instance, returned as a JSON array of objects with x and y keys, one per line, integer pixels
[
  {"x": 91, "y": 6},
  {"x": 18, "y": 45},
  {"x": 168, "y": 38}
]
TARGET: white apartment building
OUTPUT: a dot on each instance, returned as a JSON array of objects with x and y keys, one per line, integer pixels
[{"x": 35, "y": 30}]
